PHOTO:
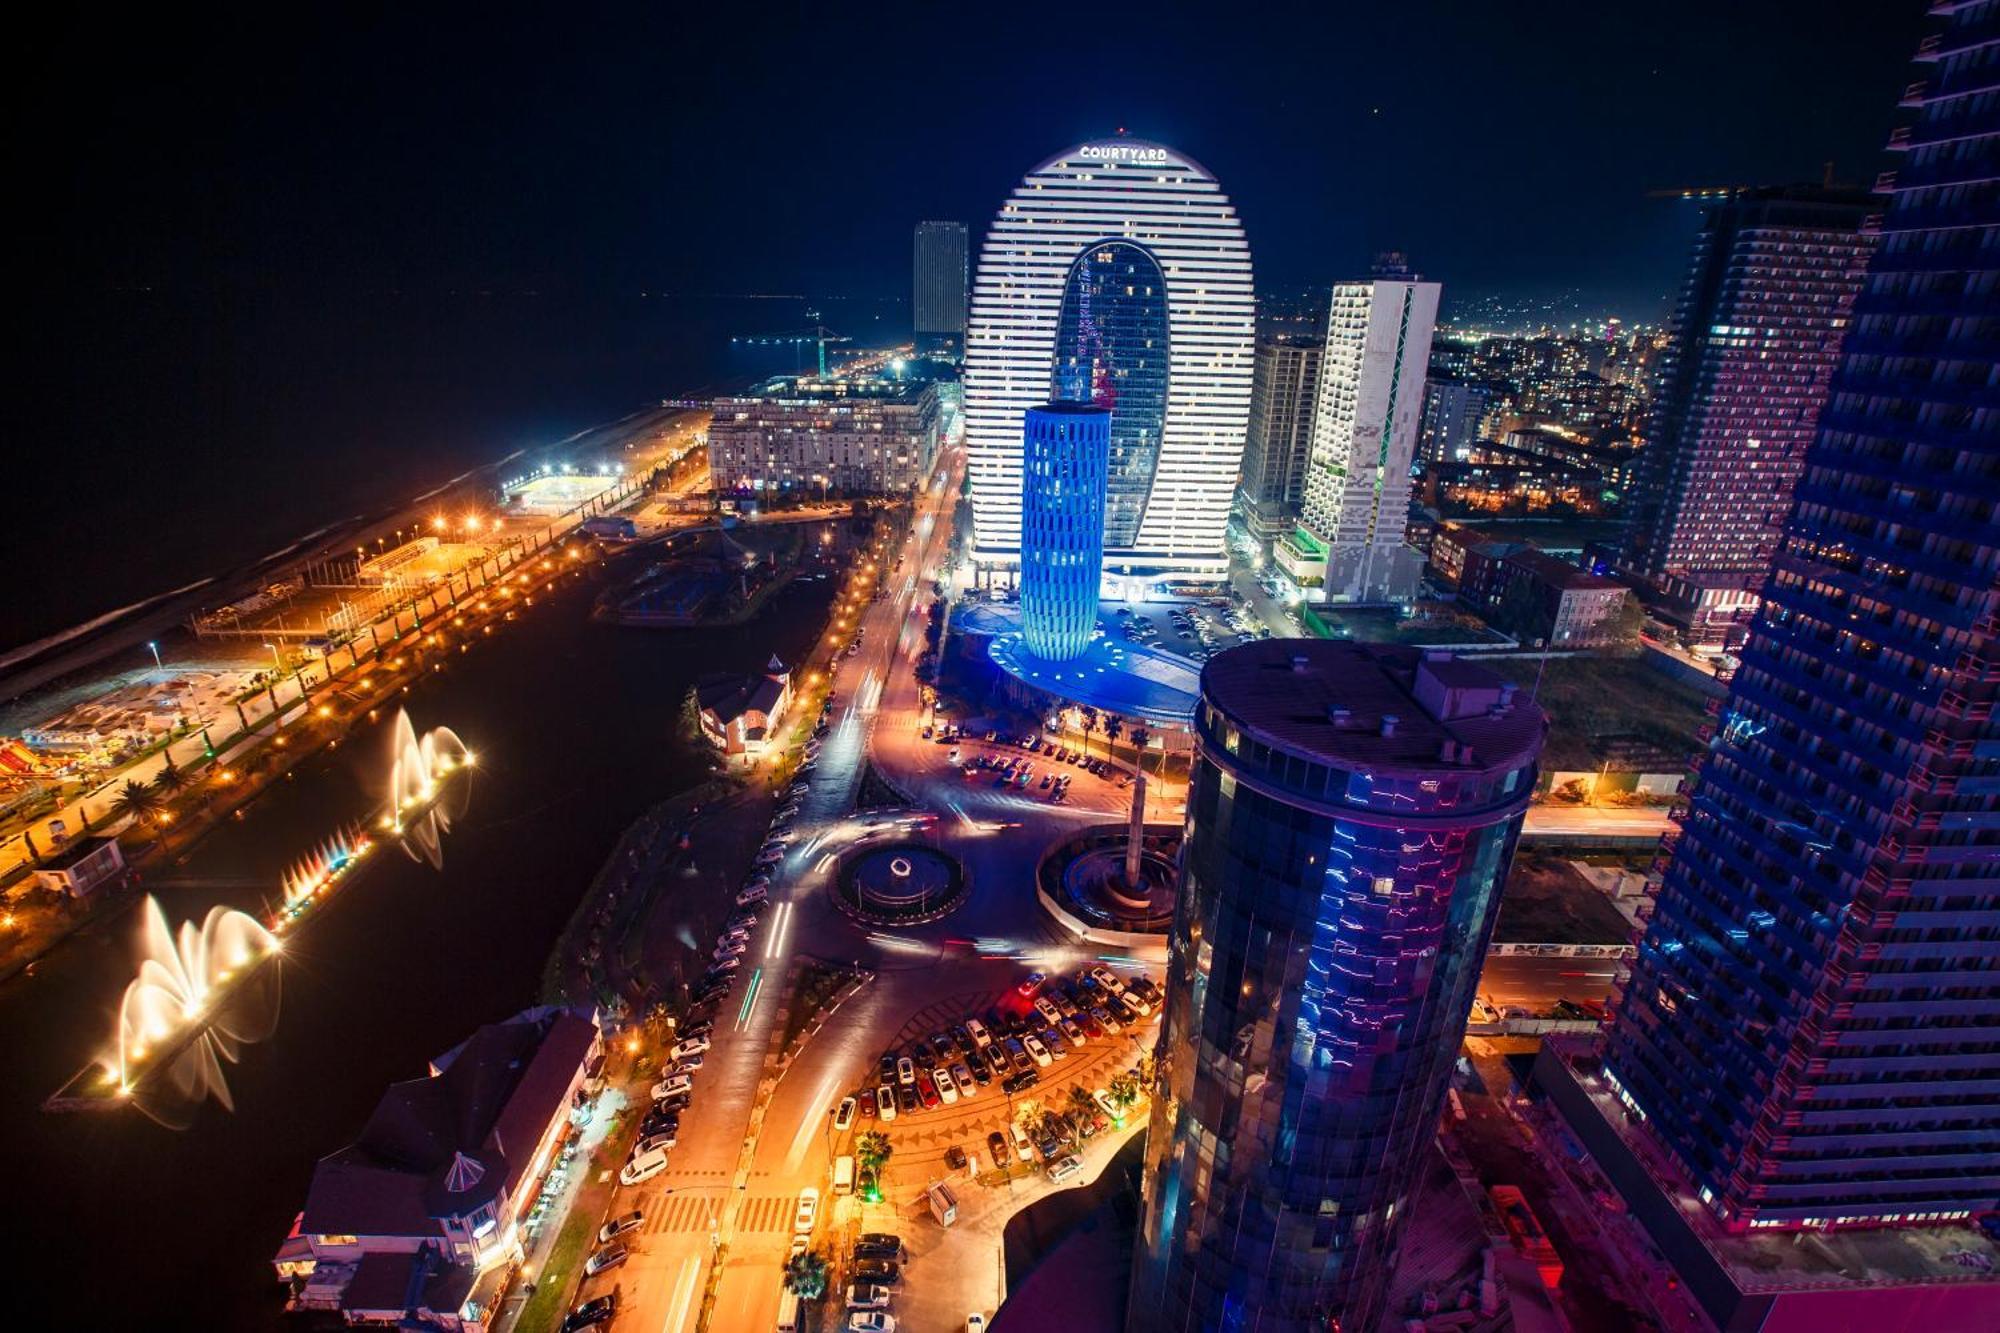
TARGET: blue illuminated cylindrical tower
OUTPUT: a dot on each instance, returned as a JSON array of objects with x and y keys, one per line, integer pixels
[
  {"x": 1351, "y": 814},
  {"x": 1065, "y": 454}
]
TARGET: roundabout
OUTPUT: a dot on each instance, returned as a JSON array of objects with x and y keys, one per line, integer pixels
[{"x": 1085, "y": 883}]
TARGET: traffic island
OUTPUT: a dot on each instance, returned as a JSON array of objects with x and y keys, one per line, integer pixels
[
  {"x": 1099, "y": 892},
  {"x": 903, "y": 884}
]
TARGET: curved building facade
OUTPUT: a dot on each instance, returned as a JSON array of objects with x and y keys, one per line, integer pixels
[
  {"x": 1120, "y": 267},
  {"x": 1065, "y": 453},
  {"x": 1352, "y": 813}
]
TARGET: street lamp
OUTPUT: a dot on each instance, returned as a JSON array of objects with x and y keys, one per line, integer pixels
[
  {"x": 276, "y": 663},
  {"x": 158, "y": 665}
]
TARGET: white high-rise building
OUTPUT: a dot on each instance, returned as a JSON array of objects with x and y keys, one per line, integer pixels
[
  {"x": 1116, "y": 273},
  {"x": 1350, "y": 543}
]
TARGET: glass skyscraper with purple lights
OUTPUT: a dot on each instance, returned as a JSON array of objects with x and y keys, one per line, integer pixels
[
  {"x": 1065, "y": 453},
  {"x": 1351, "y": 816},
  {"x": 1812, "y": 1025}
]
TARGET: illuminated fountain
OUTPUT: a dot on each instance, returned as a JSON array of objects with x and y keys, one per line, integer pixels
[
  {"x": 422, "y": 802},
  {"x": 317, "y": 874},
  {"x": 199, "y": 997}
]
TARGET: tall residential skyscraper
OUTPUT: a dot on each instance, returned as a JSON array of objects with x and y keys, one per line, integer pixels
[
  {"x": 938, "y": 287},
  {"x": 1283, "y": 392},
  {"x": 1756, "y": 334},
  {"x": 1349, "y": 544},
  {"x": 1120, "y": 263},
  {"x": 1812, "y": 1025},
  {"x": 1066, "y": 448},
  {"x": 1352, "y": 812}
]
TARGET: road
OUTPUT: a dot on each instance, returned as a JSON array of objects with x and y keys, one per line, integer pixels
[
  {"x": 1587, "y": 821},
  {"x": 1534, "y": 983},
  {"x": 757, "y": 1134}
]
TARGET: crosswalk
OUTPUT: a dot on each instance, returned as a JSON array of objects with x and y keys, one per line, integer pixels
[
  {"x": 684, "y": 1212},
  {"x": 768, "y": 1212}
]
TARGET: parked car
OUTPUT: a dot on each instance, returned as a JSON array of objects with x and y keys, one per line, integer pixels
[
  {"x": 887, "y": 1068},
  {"x": 609, "y": 1257},
  {"x": 1104, "y": 977},
  {"x": 1106, "y": 1020},
  {"x": 879, "y": 1272},
  {"x": 862, "y": 1296},
  {"x": 981, "y": 1038},
  {"x": 906, "y": 1071},
  {"x": 1065, "y": 1168},
  {"x": 1020, "y": 1082},
  {"x": 871, "y": 1321},
  {"x": 591, "y": 1313},
  {"x": 843, "y": 1115},
  {"x": 1023, "y": 1149},
  {"x": 963, "y": 1078},
  {"x": 1037, "y": 1051},
  {"x": 756, "y": 893},
  {"x": 806, "y": 1213},
  {"x": 619, "y": 1225},
  {"x": 996, "y": 1144},
  {"x": 878, "y": 1245},
  {"x": 687, "y": 1046},
  {"x": 672, "y": 1084},
  {"x": 662, "y": 1140},
  {"x": 687, "y": 1065},
  {"x": 906, "y": 1098},
  {"x": 930, "y": 1089},
  {"x": 867, "y": 1099},
  {"x": 885, "y": 1101},
  {"x": 954, "y": 1157},
  {"x": 643, "y": 1167}
]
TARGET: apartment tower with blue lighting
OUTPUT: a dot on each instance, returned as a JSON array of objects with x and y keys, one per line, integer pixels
[{"x": 1065, "y": 457}]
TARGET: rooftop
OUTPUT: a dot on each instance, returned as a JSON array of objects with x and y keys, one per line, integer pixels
[
  {"x": 1128, "y": 679},
  {"x": 1374, "y": 704},
  {"x": 445, "y": 1144},
  {"x": 1560, "y": 573}
]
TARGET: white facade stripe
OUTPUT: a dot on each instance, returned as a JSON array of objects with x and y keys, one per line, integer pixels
[{"x": 1168, "y": 205}]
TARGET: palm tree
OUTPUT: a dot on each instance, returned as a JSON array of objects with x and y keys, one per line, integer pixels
[
  {"x": 1139, "y": 738},
  {"x": 1113, "y": 728},
  {"x": 170, "y": 781},
  {"x": 805, "y": 1275},
  {"x": 1089, "y": 725},
  {"x": 1081, "y": 1102},
  {"x": 135, "y": 801},
  {"x": 872, "y": 1150},
  {"x": 1122, "y": 1091}
]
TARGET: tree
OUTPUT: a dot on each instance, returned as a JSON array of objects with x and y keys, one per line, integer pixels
[
  {"x": 1623, "y": 626},
  {"x": 872, "y": 1151},
  {"x": 1089, "y": 725},
  {"x": 1081, "y": 1102},
  {"x": 1139, "y": 738},
  {"x": 1122, "y": 1092},
  {"x": 1522, "y": 612},
  {"x": 170, "y": 780},
  {"x": 805, "y": 1275},
  {"x": 135, "y": 801}
]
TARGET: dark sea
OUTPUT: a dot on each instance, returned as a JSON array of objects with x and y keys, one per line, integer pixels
[{"x": 154, "y": 436}]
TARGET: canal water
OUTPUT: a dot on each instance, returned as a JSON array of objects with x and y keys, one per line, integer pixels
[{"x": 118, "y": 1223}]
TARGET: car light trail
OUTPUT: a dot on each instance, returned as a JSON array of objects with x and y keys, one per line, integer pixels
[
  {"x": 780, "y": 920},
  {"x": 683, "y": 1306},
  {"x": 815, "y": 1111},
  {"x": 749, "y": 998}
]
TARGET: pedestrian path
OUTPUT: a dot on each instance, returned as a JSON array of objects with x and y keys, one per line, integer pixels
[{"x": 683, "y": 1212}]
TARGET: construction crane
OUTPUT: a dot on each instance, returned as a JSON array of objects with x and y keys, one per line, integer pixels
[{"x": 817, "y": 334}]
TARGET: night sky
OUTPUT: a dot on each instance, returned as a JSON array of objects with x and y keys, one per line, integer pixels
[{"x": 1507, "y": 147}]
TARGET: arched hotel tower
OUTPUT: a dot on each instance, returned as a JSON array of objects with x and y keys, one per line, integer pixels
[{"x": 1120, "y": 267}]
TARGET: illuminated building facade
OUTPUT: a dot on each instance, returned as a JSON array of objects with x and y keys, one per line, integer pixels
[
  {"x": 1351, "y": 816},
  {"x": 938, "y": 288},
  {"x": 1118, "y": 266},
  {"x": 1349, "y": 544},
  {"x": 1812, "y": 1025},
  {"x": 1065, "y": 456},
  {"x": 1283, "y": 392},
  {"x": 813, "y": 437},
  {"x": 1757, "y": 333}
]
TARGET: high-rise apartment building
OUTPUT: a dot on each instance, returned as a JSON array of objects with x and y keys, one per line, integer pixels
[
  {"x": 1812, "y": 1025},
  {"x": 938, "y": 288},
  {"x": 1066, "y": 449},
  {"x": 1283, "y": 392},
  {"x": 1120, "y": 265},
  {"x": 1352, "y": 812},
  {"x": 1349, "y": 543},
  {"x": 1453, "y": 412},
  {"x": 1756, "y": 334}
]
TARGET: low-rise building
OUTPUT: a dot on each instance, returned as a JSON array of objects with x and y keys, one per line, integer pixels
[
  {"x": 740, "y": 715},
  {"x": 82, "y": 867},
  {"x": 421, "y": 1216},
  {"x": 1541, "y": 598},
  {"x": 814, "y": 437}
]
